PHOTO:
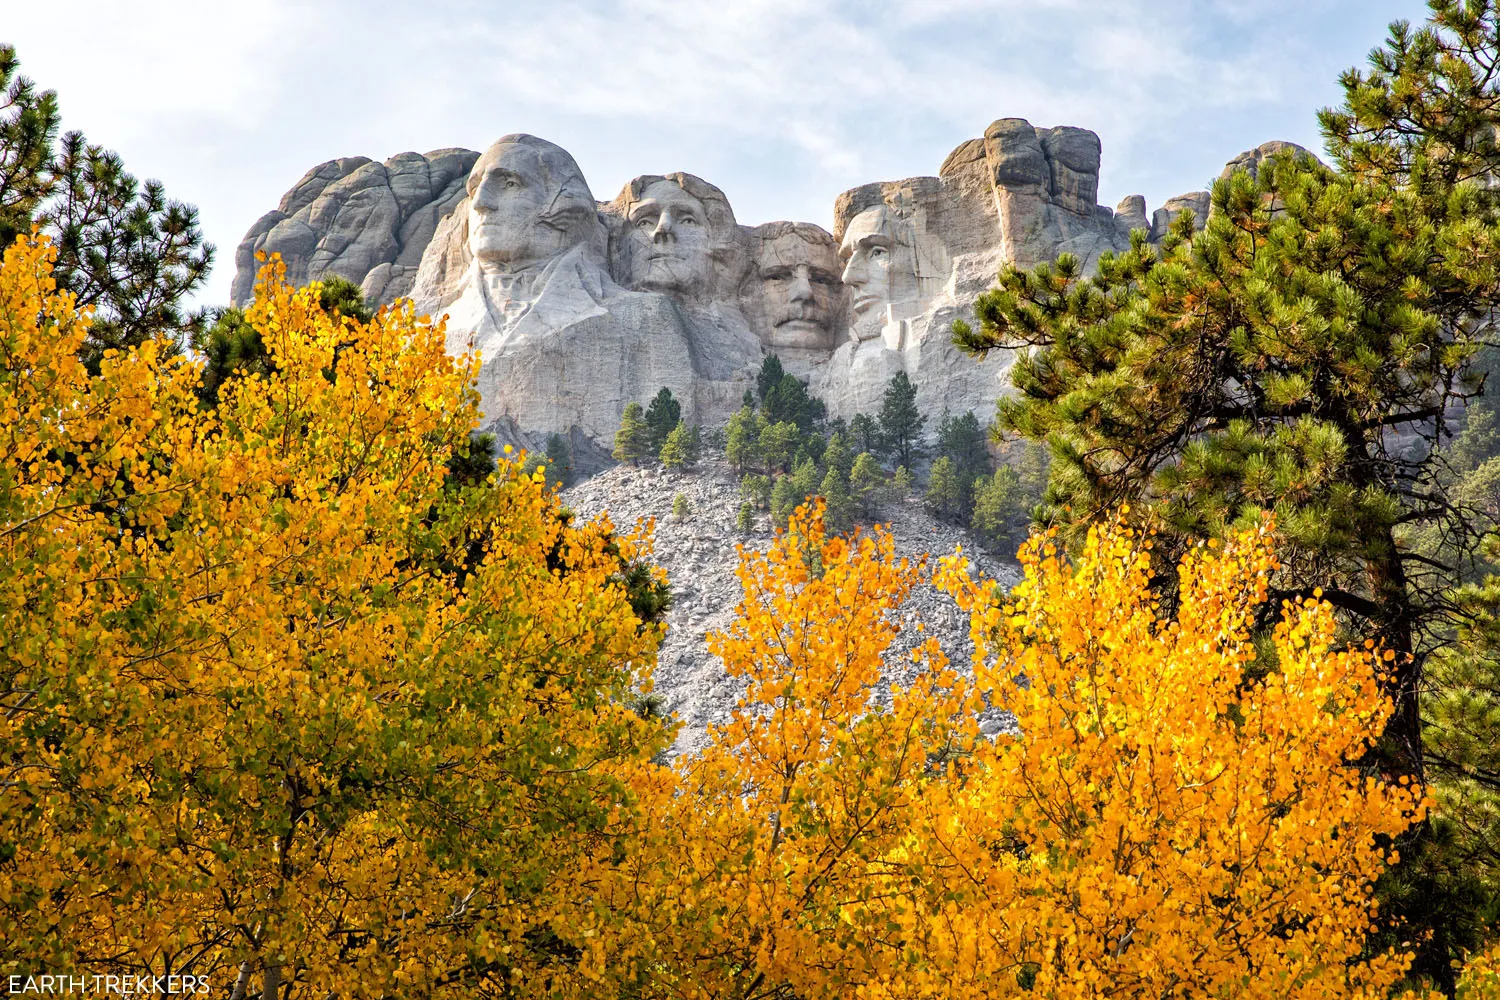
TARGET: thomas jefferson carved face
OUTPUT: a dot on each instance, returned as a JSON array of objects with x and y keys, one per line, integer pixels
[
  {"x": 870, "y": 255},
  {"x": 528, "y": 202},
  {"x": 667, "y": 241},
  {"x": 800, "y": 283}
]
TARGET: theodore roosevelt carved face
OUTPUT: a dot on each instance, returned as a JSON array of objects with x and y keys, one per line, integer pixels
[
  {"x": 528, "y": 202},
  {"x": 798, "y": 268}
]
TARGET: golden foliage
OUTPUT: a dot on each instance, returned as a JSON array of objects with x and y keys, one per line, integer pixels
[
  {"x": 1167, "y": 825},
  {"x": 275, "y": 701},
  {"x": 1480, "y": 979},
  {"x": 768, "y": 841},
  {"x": 281, "y": 703}
]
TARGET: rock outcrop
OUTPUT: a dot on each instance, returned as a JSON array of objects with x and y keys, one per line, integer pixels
[
  {"x": 366, "y": 221},
  {"x": 1251, "y": 159},
  {"x": 578, "y": 307}
]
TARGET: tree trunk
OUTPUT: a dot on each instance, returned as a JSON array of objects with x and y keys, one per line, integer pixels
[{"x": 1388, "y": 587}]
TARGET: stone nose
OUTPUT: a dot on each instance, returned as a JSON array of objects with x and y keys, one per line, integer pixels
[
  {"x": 855, "y": 273},
  {"x": 801, "y": 290},
  {"x": 666, "y": 228},
  {"x": 486, "y": 195}
]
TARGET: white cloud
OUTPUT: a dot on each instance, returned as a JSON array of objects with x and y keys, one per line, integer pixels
[
  {"x": 130, "y": 67},
  {"x": 783, "y": 103}
]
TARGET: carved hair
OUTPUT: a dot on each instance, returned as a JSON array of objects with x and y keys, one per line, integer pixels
[
  {"x": 807, "y": 231},
  {"x": 899, "y": 199}
]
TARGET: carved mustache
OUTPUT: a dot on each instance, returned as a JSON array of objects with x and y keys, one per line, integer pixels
[{"x": 802, "y": 313}]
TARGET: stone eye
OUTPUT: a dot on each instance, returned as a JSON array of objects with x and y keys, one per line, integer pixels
[
  {"x": 645, "y": 222},
  {"x": 512, "y": 183},
  {"x": 877, "y": 251}
]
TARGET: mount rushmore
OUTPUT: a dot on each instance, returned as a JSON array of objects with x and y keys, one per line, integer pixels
[{"x": 578, "y": 307}]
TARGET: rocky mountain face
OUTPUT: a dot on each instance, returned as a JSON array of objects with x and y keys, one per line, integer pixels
[
  {"x": 366, "y": 221},
  {"x": 578, "y": 307},
  {"x": 699, "y": 554}
]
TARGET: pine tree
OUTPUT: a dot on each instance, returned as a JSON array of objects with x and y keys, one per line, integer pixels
[
  {"x": 559, "y": 459},
  {"x": 1000, "y": 513},
  {"x": 680, "y": 507},
  {"x": 838, "y": 504},
  {"x": 769, "y": 377},
  {"x": 744, "y": 522},
  {"x": 231, "y": 345},
  {"x": 903, "y": 482},
  {"x": 123, "y": 247},
  {"x": 811, "y": 445},
  {"x": 471, "y": 463},
  {"x": 662, "y": 416},
  {"x": 1464, "y": 728},
  {"x": 900, "y": 421},
  {"x": 1326, "y": 328},
  {"x": 784, "y": 500},
  {"x": 29, "y": 121},
  {"x": 945, "y": 492},
  {"x": 837, "y": 455},
  {"x": 339, "y": 296},
  {"x": 756, "y": 489},
  {"x": 1301, "y": 354},
  {"x": 675, "y": 449},
  {"x": 1032, "y": 466},
  {"x": 742, "y": 438},
  {"x": 864, "y": 433},
  {"x": 962, "y": 439},
  {"x": 805, "y": 479},
  {"x": 632, "y": 440},
  {"x": 778, "y": 444},
  {"x": 867, "y": 484},
  {"x": 785, "y": 397}
]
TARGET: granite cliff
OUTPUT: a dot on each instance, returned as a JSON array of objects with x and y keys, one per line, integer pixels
[{"x": 578, "y": 307}]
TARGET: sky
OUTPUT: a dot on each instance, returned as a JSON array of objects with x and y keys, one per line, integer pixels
[{"x": 781, "y": 103}]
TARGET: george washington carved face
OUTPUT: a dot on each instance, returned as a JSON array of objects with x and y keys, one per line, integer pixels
[{"x": 528, "y": 202}]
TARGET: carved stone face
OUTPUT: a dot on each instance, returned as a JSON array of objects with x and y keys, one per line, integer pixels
[
  {"x": 667, "y": 241},
  {"x": 528, "y": 201},
  {"x": 800, "y": 283},
  {"x": 870, "y": 253}
]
